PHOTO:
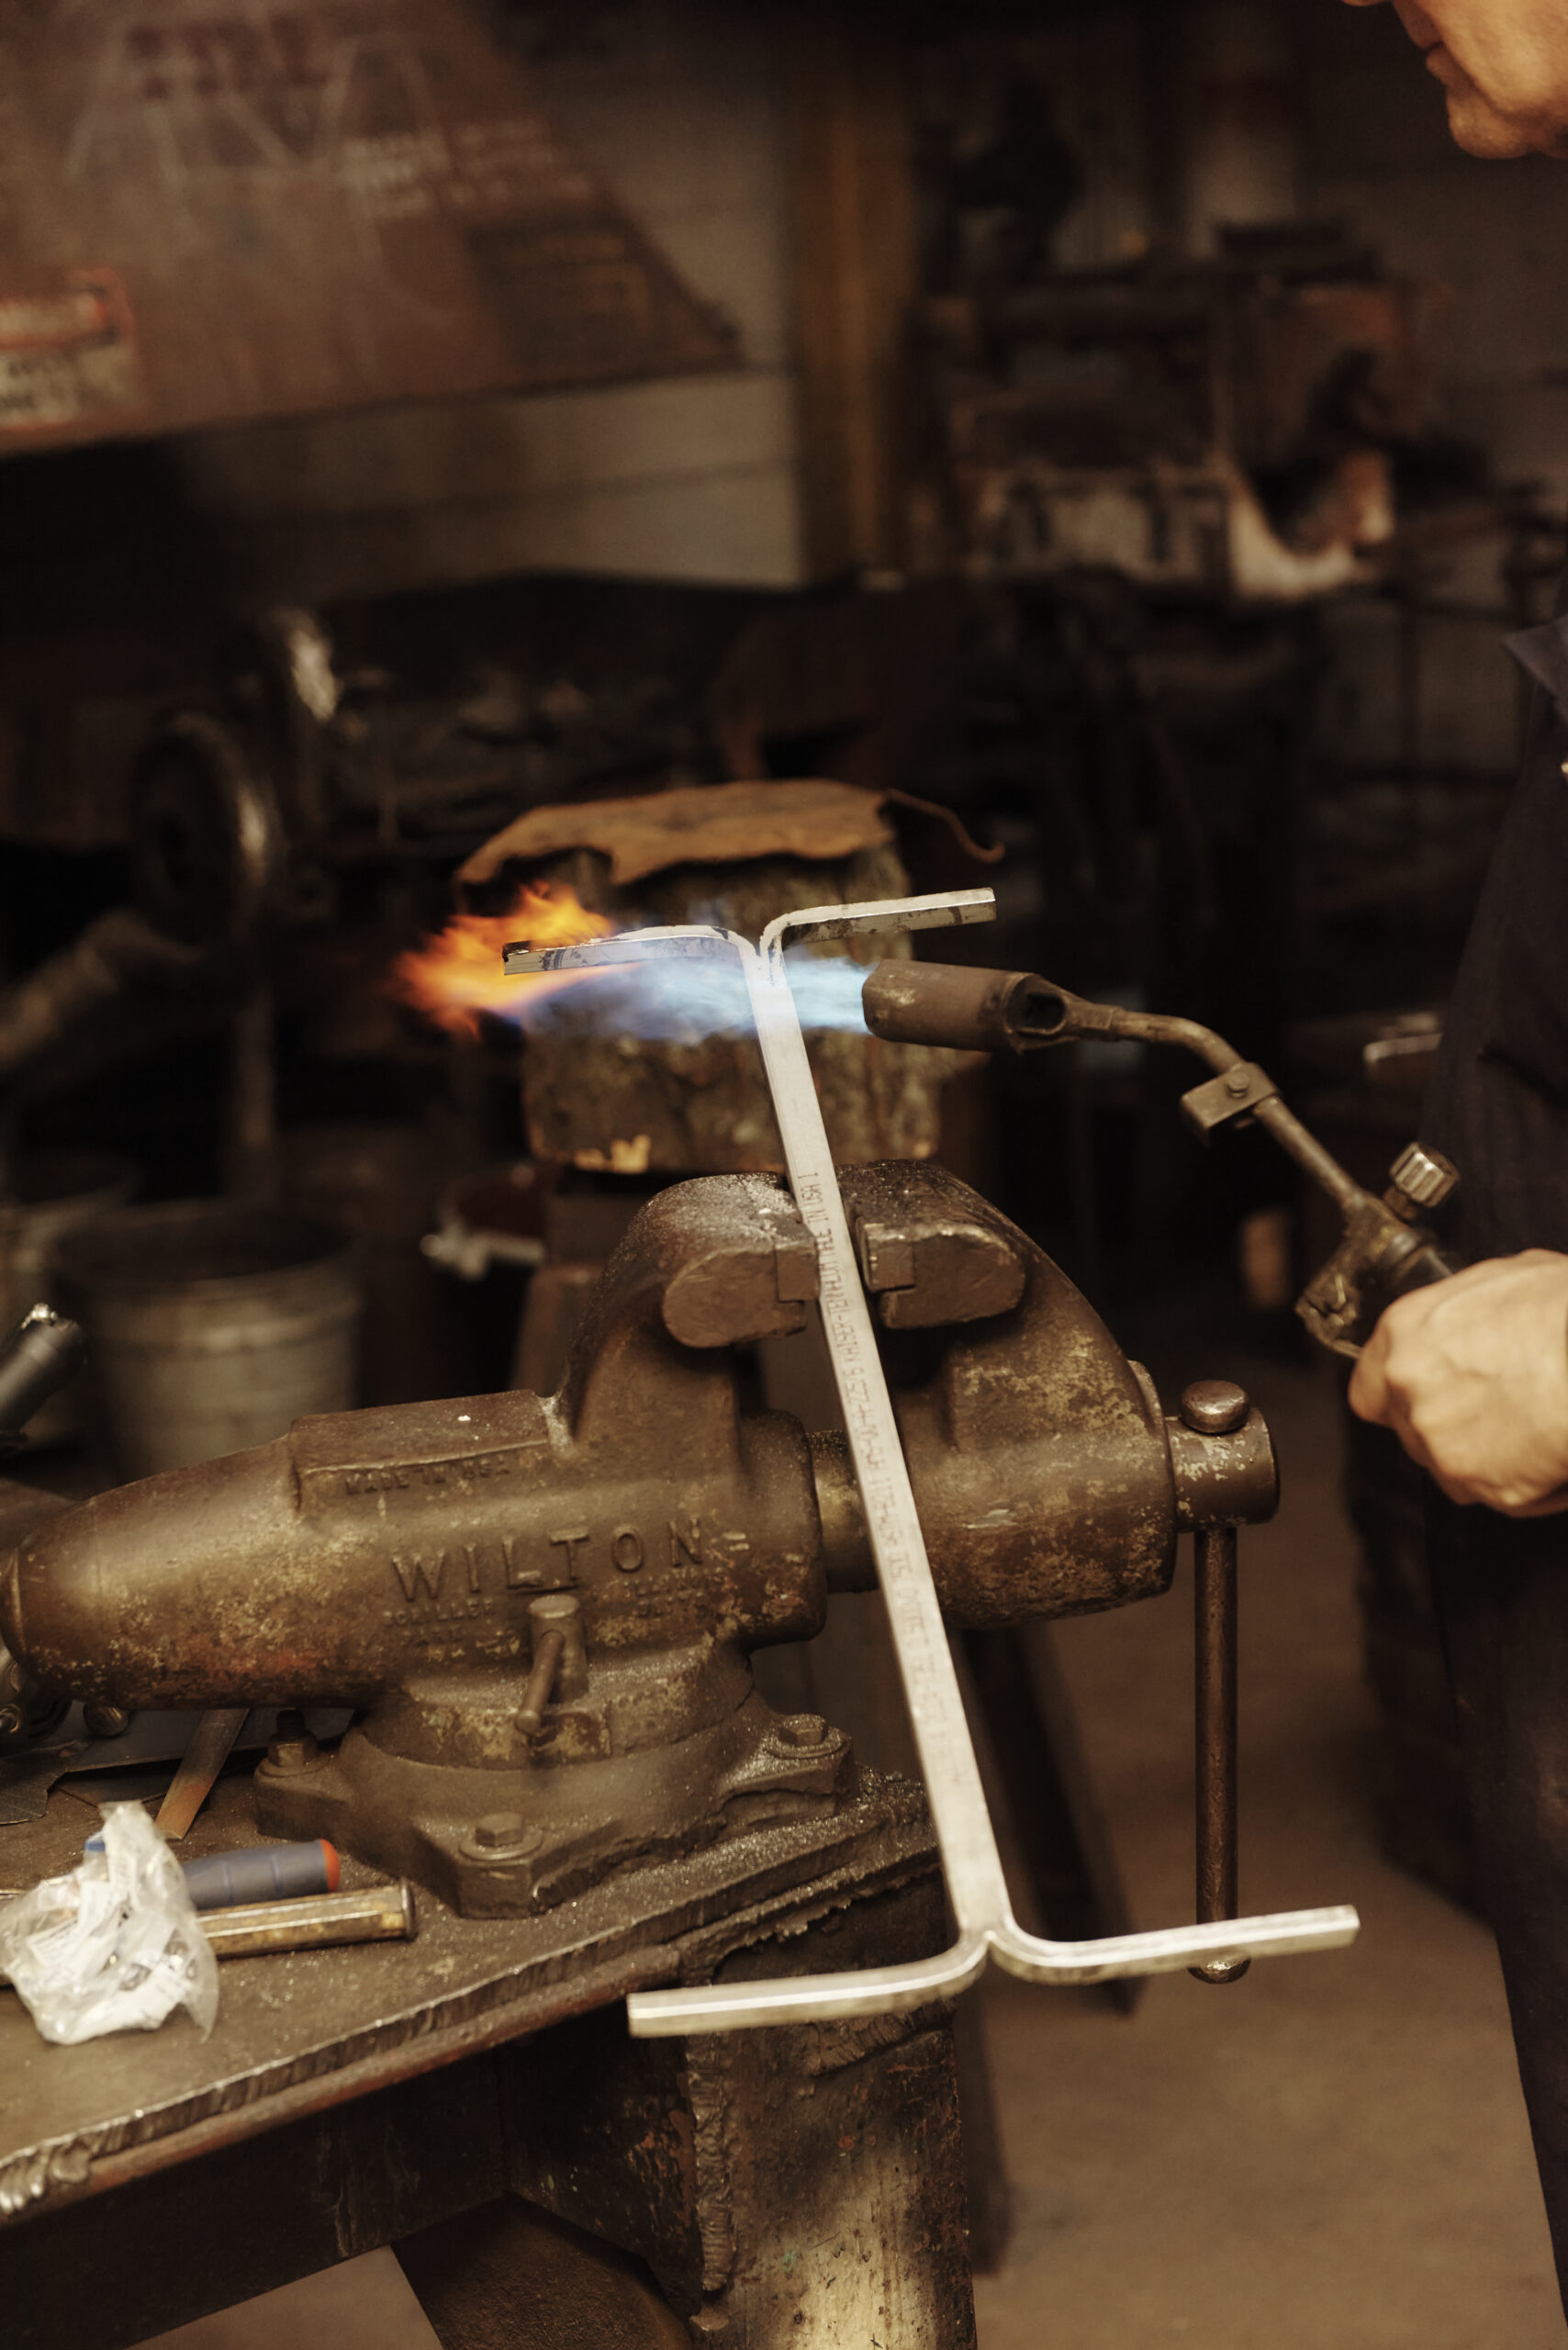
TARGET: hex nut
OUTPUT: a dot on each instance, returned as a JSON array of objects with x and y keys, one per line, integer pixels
[
  {"x": 504, "y": 1834},
  {"x": 293, "y": 1747}
]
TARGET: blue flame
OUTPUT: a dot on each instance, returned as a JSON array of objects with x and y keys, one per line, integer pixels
[{"x": 692, "y": 1001}]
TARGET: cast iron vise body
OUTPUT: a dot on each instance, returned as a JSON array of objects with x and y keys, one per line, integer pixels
[{"x": 545, "y": 1608}]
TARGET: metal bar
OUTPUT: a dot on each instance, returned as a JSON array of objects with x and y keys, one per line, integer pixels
[
  {"x": 976, "y": 1888},
  {"x": 893, "y": 1990},
  {"x": 1056, "y": 1815},
  {"x": 971, "y": 1864},
  {"x": 1215, "y": 1646},
  {"x": 382, "y": 1913},
  {"x": 541, "y": 1681},
  {"x": 950, "y": 909},
  {"x": 964, "y": 1832},
  {"x": 211, "y": 1742},
  {"x": 676, "y": 939}
]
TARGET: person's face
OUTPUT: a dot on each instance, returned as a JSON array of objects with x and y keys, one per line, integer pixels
[{"x": 1504, "y": 64}]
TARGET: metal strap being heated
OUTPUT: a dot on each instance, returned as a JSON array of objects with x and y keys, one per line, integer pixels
[{"x": 970, "y": 1861}]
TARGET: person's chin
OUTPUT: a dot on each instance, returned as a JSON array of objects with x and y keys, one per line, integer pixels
[{"x": 1481, "y": 130}]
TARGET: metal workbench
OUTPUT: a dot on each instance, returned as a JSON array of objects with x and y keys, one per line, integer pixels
[{"x": 473, "y": 2099}]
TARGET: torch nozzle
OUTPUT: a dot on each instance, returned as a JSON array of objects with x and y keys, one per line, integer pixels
[{"x": 979, "y": 1011}]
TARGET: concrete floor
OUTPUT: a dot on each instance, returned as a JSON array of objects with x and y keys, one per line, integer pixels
[{"x": 1330, "y": 2155}]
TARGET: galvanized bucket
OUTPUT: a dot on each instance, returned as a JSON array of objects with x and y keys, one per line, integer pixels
[{"x": 211, "y": 1326}]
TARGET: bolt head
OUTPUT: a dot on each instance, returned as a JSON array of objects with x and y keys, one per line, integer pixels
[
  {"x": 1215, "y": 1406},
  {"x": 803, "y": 1730},
  {"x": 1237, "y": 1081},
  {"x": 500, "y": 1831}
]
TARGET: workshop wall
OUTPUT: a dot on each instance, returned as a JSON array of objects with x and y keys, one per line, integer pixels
[
  {"x": 1100, "y": 68},
  {"x": 683, "y": 115},
  {"x": 1180, "y": 121},
  {"x": 1334, "y": 125},
  {"x": 1377, "y": 154}
]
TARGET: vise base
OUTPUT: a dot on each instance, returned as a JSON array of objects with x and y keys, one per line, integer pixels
[{"x": 503, "y": 1842}]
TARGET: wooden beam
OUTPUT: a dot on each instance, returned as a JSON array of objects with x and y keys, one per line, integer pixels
[{"x": 853, "y": 205}]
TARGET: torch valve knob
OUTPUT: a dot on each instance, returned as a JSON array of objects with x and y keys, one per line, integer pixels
[{"x": 1425, "y": 1177}]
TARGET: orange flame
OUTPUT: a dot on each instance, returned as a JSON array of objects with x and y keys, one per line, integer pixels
[{"x": 456, "y": 976}]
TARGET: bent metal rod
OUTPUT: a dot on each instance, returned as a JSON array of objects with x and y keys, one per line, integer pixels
[{"x": 982, "y": 1914}]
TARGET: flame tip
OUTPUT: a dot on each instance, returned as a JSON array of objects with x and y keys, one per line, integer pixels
[{"x": 456, "y": 976}]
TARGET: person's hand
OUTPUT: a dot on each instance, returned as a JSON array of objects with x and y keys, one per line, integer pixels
[{"x": 1471, "y": 1375}]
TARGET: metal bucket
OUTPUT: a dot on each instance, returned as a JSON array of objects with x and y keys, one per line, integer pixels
[
  {"x": 378, "y": 1182},
  {"x": 50, "y": 1194},
  {"x": 211, "y": 1326}
]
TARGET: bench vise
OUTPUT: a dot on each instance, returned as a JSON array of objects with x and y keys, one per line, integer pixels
[{"x": 544, "y": 1608}]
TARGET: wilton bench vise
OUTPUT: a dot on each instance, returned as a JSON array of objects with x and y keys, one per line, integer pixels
[{"x": 545, "y": 1608}]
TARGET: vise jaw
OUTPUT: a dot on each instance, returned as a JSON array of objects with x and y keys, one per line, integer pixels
[{"x": 544, "y": 1608}]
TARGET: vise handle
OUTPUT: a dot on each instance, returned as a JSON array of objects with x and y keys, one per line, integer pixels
[{"x": 1216, "y": 1407}]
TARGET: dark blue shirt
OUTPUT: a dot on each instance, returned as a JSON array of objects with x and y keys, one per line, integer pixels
[{"x": 1499, "y": 1102}]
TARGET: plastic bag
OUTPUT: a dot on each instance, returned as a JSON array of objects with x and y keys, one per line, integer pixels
[{"x": 117, "y": 1946}]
